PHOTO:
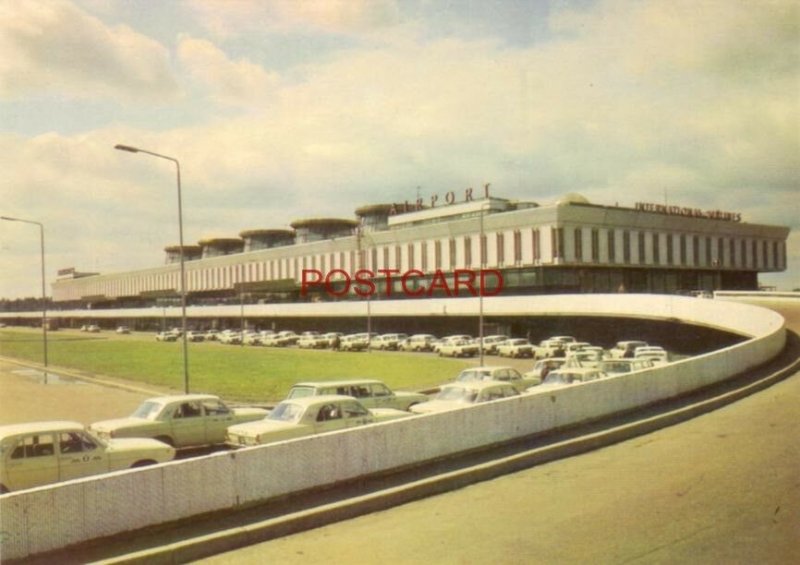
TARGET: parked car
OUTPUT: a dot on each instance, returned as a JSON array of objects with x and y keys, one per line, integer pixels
[
  {"x": 497, "y": 373},
  {"x": 517, "y": 347},
  {"x": 542, "y": 368},
  {"x": 212, "y": 335},
  {"x": 313, "y": 340},
  {"x": 584, "y": 358},
  {"x": 250, "y": 337},
  {"x": 166, "y": 336},
  {"x": 194, "y": 335},
  {"x": 625, "y": 349},
  {"x": 182, "y": 420},
  {"x": 332, "y": 339},
  {"x": 370, "y": 392},
  {"x": 658, "y": 355},
  {"x": 462, "y": 394},
  {"x": 436, "y": 346},
  {"x": 418, "y": 342},
  {"x": 41, "y": 453},
  {"x": 611, "y": 367},
  {"x": 93, "y": 328},
  {"x": 281, "y": 339},
  {"x": 354, "y": 342},
  {"x": 230, "y": 337},
  {"x": 567, "y": 376},
  {"x": 123, "y": 330},
  {"x": 458, "y": 348},
  {"x": 306, "y": 416},
  {"x": 387, "y": 342},
  {"x": 491, "y": 342},
  {"x": 549, "y": 348}
]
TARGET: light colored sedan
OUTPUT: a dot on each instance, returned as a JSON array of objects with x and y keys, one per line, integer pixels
[
  {"x": 517, "y": 347},
  {"x": 183, "y": 420},
  {"x": 42, "y": 453},
  {"x": 369, "y": 392},
  {"x": 307, "y": 416},
  {"x": 458, "y": 348},
  {"x": 498, "y": 373},
  {"x": 459, "y": 395}
]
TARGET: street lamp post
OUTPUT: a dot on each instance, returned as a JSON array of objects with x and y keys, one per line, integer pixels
[
  {"x": 44, "y": 292},
  {"x": 183, "y": 266},
  {"x": 480, "y": 292}
]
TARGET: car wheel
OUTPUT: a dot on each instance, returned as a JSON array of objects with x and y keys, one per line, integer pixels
[{"x": 143, "y": 463}]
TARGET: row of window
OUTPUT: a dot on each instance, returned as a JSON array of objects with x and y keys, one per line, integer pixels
[
  {"x": 654, "y": 248},
  {"x": 519, "y": 247}
]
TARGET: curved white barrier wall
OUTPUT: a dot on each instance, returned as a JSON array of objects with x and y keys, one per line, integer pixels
[{"x": 52, "y": 517}]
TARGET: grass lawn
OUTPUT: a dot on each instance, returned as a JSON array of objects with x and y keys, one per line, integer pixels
[{"x": 236, "y": 373}]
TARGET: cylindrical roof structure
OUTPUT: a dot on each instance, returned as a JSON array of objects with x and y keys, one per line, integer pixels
[
  {"x": 315, "y": 229},
  {"x": 375, "y": 216},
  {"x": 190, "y": 253},
  {"x": 265, "y": 238},
  {"x": 217, "y": 246}
]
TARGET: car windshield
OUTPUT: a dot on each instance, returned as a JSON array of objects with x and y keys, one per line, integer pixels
[
  {"x": 147, "y": 410},
  {"x": 301, "y": 392},
  {"x": 473, "y": 375},
  {"x": 457, "y": 394},
  {"x": 286, "y": 412}
]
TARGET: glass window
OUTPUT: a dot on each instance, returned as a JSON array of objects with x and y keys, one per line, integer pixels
[
  {"x": 41, "y": 445},
  {"x": 214, "y": 408},
  {"x": 612, "y": 246},
  {"x": 188, "y": 410},
  {"x": 353, "y": 410},
  {"x": 670, "y": 250},
  {"x": 467, "y": 251},
  {"x": 437, "y": 254},
  {"x": 578, "y": 244},
  {"x": 74, "y": 442},
  {"x": 380, "y": 390},
  {"x": 535, "y": 241},
  {"x": 452, "y": 252},
  {"x": 517, "y": 246},
  {"x": 595, "y": 245},
  {"x": 656, "y": 248},
  {"x": 626, "y": 247},
  {"x": 501, "y": 249}
]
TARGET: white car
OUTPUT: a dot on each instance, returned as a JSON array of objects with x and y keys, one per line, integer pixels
[
  {"x": 459, "y": 395},
  {"x": 306, "y": 416},
  {"x": 658, "y": 355},
  {"x": 312, "y": 340},
  {"x": 491, "y": 342},
  {"x": 517, "y": 347},
  {"x": 369, "y": 392},
  {"x": 497, "y": 373},
  {"x": 388, "y": 342},
  {"x": 42, "y": 453},
  {"x": 181, "y": 420},
  {"x": 543, "y": 366},
  {"x": 549, "y": 348},
  {"x": 230, "y": 337},
  {"x": 123, "y": 330},
  {"x": 194, "y": 335},
  {"x": 458, "y": 348},
  {"x": 611, "y": 367},
  {"x": 418, "y": 342},
  {"x": 448, "y": 339},
  {"x": 564, "y": 376},
  {"x": 166, "y": 336},
  {"x": 625, "y": 349}
]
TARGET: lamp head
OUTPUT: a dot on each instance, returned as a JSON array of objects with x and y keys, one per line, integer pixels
[{"x": 126, "y": 148}]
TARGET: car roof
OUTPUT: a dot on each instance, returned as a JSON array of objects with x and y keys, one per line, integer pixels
[
  {"x": 343, "y": 382},
  {"x": 43, "y": 427},
  {"x": 478, "y": 385},
  {"x": 321, "y": 399},
  {"x": 182, "y": 398},
  {"x": 487, "y": 368}
]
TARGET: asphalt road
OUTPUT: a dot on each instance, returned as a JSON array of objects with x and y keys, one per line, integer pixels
[{"x": 721, "y": 488}]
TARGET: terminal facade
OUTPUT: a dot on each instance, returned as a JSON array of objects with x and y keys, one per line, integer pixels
[{"x": 569, "y": 246}]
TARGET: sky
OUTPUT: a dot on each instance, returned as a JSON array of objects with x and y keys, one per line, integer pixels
[{"x": 286, "y": 109}]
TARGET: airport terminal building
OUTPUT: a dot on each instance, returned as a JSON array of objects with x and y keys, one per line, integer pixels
[{"x": 417, "y": 251}]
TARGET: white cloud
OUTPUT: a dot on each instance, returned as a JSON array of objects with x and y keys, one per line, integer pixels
[
  {"x": 53, "y": 47},
  {"x": 232, "y": 17},
  {"x": 239, "y": 83},
  {"x": 631, "y": 101}
]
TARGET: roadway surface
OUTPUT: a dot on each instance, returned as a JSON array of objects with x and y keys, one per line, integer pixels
[{"x": 720, "y": 488}]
